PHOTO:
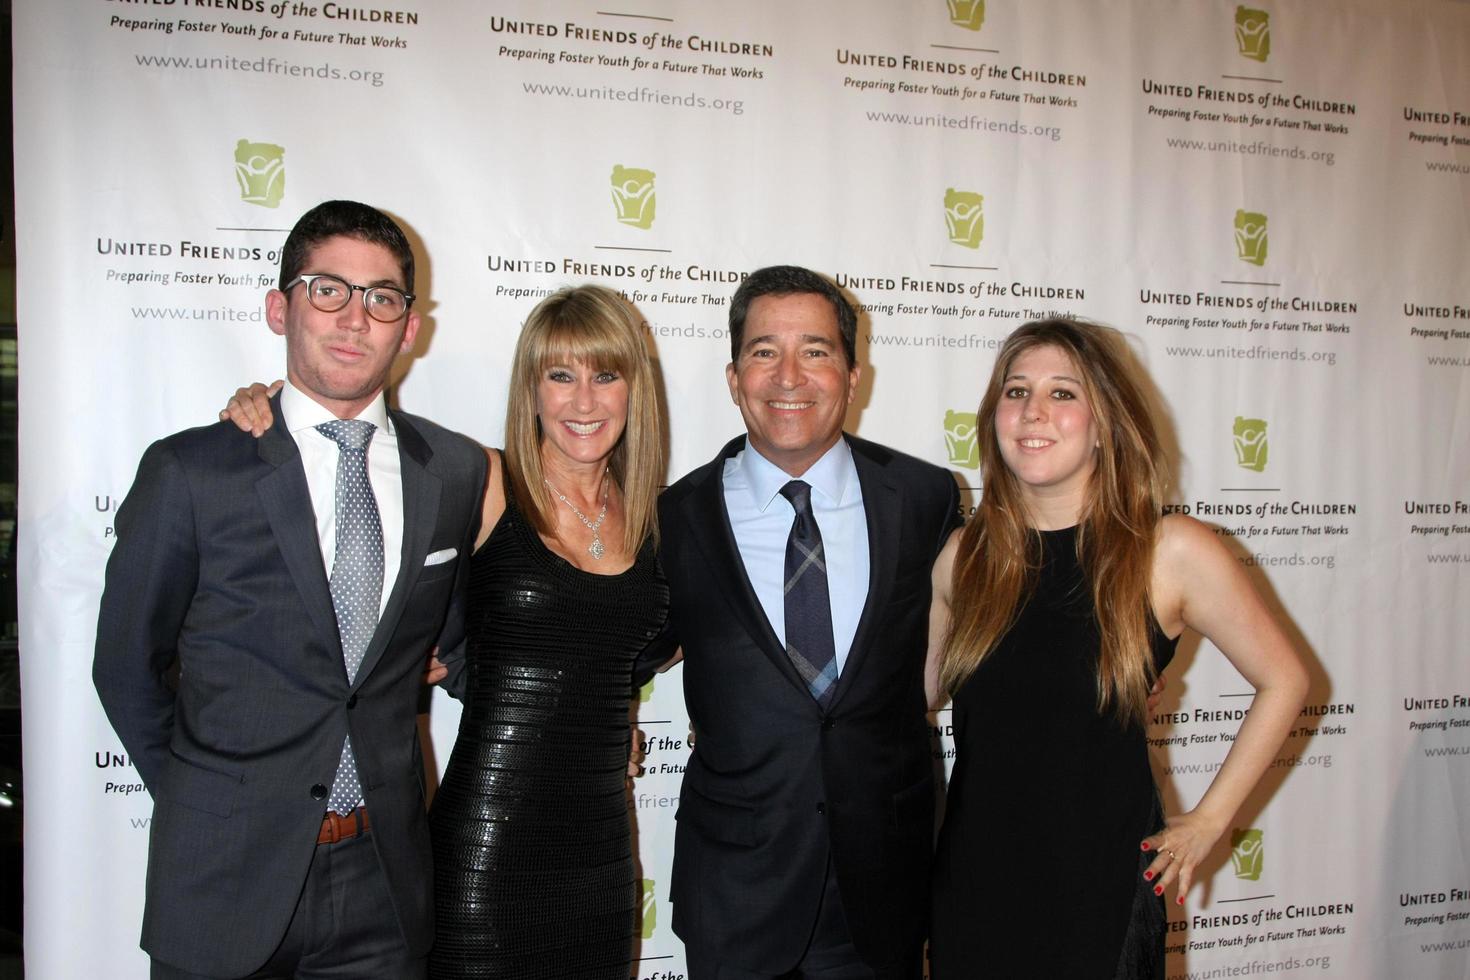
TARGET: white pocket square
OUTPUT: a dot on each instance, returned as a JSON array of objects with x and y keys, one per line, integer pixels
[{"x": 440, "y": 557}]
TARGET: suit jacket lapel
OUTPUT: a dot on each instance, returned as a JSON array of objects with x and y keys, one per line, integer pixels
[
  {"x": 421, "y": 490},
  {"x": 287, "y": 503},
  {"x": 705, "y": 513},
  {"x": 882, "y": 503}
]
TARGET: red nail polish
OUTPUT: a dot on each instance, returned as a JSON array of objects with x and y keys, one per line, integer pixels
[
  {"x": 1148, "y": 876},
  {"x": 1158, "y": 889},
  {"x": 1179, "y": 900},
  {"x": 1144, "y": 846}
]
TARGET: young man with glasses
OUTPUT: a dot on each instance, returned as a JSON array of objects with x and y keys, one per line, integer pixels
[{"x": 295, "y": 583}]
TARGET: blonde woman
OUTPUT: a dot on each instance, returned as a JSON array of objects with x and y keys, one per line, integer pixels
[
  {"x": 1055, "y": 610},
  {"x": 533, "y": 868}
]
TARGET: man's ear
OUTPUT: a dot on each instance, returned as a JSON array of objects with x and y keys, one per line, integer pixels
[
  {"x": 410, "y": 331},
  {"x": 275, "y": 312}
]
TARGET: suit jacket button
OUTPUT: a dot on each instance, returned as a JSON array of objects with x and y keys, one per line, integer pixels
[
  {"x": 828, "y": 724},
  {"x": 351, "y": 702},
  {"x": 821, "y": 808},
  {"x": 318, "y": 791}
]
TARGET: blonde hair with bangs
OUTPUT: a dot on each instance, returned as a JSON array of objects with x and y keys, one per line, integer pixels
[
  {"x": 999, "y": 553},
  {"x": 595, "y": 326}
]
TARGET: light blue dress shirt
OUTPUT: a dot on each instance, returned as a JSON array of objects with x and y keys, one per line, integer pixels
[{"x": 761, "y": 519}]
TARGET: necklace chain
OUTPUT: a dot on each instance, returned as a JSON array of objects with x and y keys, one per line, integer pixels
[{"x": 595, "y": 549}]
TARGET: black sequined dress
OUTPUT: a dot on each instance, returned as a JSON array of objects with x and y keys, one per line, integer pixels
[
  {"x": 1038, "y": 872},
  {"x": 533, "y": 865}
]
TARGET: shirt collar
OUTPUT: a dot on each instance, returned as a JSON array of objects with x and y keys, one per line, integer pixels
[
  {"x": 831, "y": 476},
  {"x": 303, "y": 412}
]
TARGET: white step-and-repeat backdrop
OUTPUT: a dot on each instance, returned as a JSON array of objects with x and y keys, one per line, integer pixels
[{"x": 1272, "y": 200}]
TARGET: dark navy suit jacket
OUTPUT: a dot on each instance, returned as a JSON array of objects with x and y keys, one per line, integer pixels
[
  {"x": 217, "y": 574},
  {"x": 775, "y": 783}
]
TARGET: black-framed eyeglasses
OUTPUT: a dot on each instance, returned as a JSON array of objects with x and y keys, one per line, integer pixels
[{"x": 330, "y": 293}]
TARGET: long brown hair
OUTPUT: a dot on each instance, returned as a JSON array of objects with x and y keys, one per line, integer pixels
[
  {"x": 999, "y": 554},
  {"x": 595, "y": 326}
]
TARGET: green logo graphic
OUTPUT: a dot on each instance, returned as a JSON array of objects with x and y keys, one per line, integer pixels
[
  {"x": 632, "y": 193},
  {"x": 969, "y": 14},
  {"x": 1246, "y": 849},
  {"x": 1253, "y": 33},
  {"x": 964, "y": 217},
  {"x": 261, "y": 173},
  {"x": 645, "y": 692},
  {"x": 961, "y": 439},
  {"x": 1250, "y": 237},
  {"x": 1251, "y": 446},
  {"x": 648, "y": 912}
]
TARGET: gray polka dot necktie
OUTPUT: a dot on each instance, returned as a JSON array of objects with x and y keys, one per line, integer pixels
[
  {"x": 357, "y": 575},
  {"x": 809, "y": 641}
]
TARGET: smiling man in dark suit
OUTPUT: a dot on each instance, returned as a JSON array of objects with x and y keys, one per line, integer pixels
[
  {"x": 295, "y": 583},
  {"x": 799, "y": 564}
]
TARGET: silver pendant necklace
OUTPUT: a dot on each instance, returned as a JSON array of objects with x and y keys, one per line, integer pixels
[{"x": 595, "y": 549}]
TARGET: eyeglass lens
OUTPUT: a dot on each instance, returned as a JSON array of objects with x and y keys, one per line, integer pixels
[{"x": 329, "y": 294}]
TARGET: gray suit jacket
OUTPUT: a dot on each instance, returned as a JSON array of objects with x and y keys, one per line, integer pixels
[{"x": 217, "y": 573}]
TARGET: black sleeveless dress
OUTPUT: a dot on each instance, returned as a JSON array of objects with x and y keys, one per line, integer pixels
[
  {"x": 1037, "y": 871},
  {"x": 533, "y": 862}
]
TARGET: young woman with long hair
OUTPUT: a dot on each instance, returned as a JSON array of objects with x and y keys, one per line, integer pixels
[{"x": 1056, "y": 608}]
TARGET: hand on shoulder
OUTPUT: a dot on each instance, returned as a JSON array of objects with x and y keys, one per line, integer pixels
[{"x": 250, "y": 408}]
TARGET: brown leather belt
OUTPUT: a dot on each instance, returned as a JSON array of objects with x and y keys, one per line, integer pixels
[{"x": 336, "y": 827}]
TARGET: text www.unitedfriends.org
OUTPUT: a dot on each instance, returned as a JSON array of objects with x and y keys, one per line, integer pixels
[
  {"x": 1258, "y": 352},
  {"x": 1256, "y": 148},
  {"x": 939, "y": 120},
  {"x": 642, "y": 95},
  {"x": 1253, "y": 968},
  {"x": 261, "y": 66}
]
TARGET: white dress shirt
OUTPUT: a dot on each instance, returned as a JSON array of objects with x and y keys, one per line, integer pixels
[
  {"x": 301, "y": 415},
  {"x": 761, "y": 519}
]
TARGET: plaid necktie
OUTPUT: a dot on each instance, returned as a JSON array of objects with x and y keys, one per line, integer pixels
[{"x": 809, "y": 641}]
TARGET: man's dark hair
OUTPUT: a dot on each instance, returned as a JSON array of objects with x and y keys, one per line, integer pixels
[
  {"x": 353, "y": 220},
  {"x": 787, "y": 280}
]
